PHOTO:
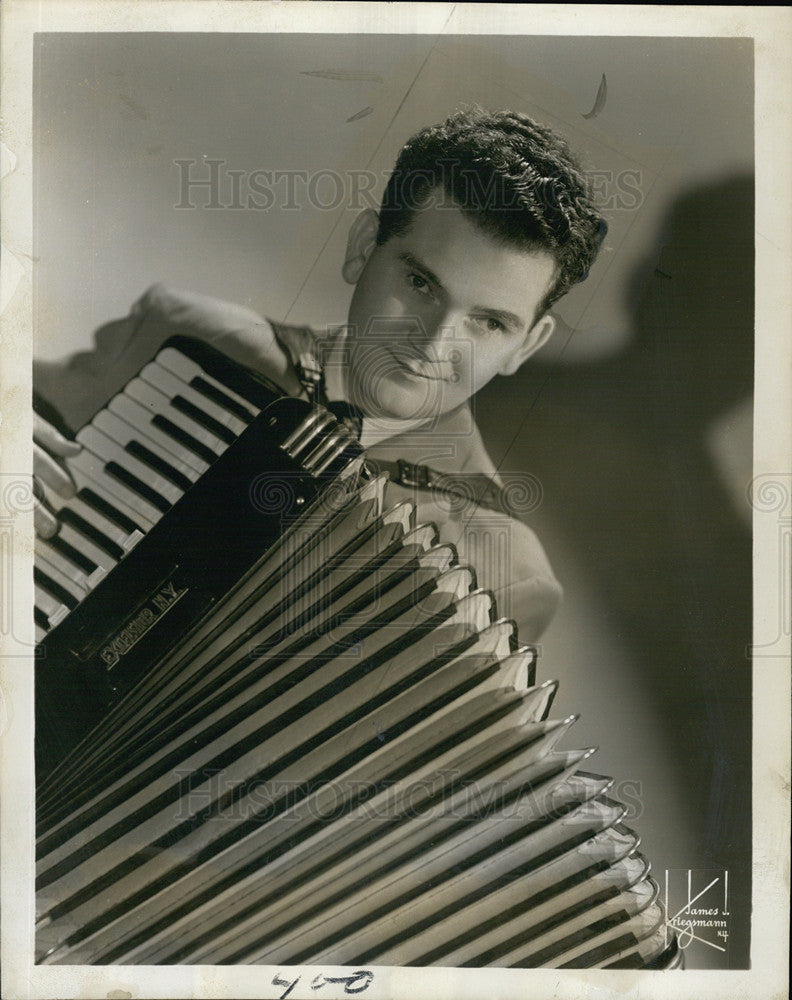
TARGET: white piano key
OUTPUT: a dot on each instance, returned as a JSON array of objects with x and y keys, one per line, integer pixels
[
  {"x": 139, "y": 420},
  {"x": 124, "y": 539},
  {"x": 87, "y": 470},
  {"x": 41, "y": 633},
  {"x": 171, "y": 386},
  {"x": 50, "y": 606},
  {"x": 74, "y": 555},
  {"x": 186, "y": 369},
  {"x": 100, "y": 444},
  {"x": 158, "y": 403},
  {"x": 62, "y": 570},
  {"x": 118, "y": 430},
  {"x": 89, "y": 549},
  {"x": 45, "y": 577},
  {"x": 59, "y": 573},
  {"x": 130, "y": 537}
]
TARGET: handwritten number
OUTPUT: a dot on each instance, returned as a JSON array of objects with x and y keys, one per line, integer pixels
[
  {"x": 355, "y": 983},
  {"x": 364, "y": 976},
  {"x": 277, "y": 981}
]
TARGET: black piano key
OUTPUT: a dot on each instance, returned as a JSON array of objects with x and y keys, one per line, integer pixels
[
  {"x": 47, "y": 583},
  {"x": 256, "y": 389},
  {"x": 125, "y": 421},
  {"x": 183, "y": 438},
  {"x": 87, "y": 470},
  {"x": 97, "y": 443},
  {"x": 53, "y": 609},
  {"x": 154, "y": 400},
  {"x": 40, "y": 618},
  {"x": 88, "y": 514},
  {"x": 178, "y": 363},
  {"x": 138, "y": 486},
  {"x": 219, "y": 397},
  {"x": 60, "y": 569},
  {"x": 81, "y": 543},
  {"x": 78, "y": 558},
  {"x": 171, "y": 385},
  {"x": 84, "y": 528},
  {"x": 88, "y": 496},
  {"x": 192, "y": 411},
  {"x": 159, "y": 465}
]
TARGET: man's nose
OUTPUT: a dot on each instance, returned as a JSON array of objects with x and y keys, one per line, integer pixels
[{"x": 439, "y": 340}]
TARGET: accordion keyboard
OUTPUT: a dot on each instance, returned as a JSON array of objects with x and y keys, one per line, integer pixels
[{"x": 140, "y": 455}]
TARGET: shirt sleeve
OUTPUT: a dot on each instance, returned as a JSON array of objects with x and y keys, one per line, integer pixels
[
  {"x": 507, "y": 556},
  {"x": 81, "y": 384}
]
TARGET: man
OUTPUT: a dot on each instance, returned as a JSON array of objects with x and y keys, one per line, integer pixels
[{"x": 485, "y": 223}]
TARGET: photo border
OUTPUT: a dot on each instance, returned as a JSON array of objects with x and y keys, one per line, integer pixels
[{"x": 771, "y": 29}]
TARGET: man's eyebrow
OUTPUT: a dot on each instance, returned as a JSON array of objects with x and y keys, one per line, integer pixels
[{"x": 412, "y": 261}]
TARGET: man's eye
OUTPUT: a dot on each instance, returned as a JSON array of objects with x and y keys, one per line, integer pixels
[
  {"x": 418, "y": 283},
  {"x": 490, "y": 324}
]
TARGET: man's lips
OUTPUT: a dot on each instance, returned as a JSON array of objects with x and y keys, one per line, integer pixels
[{"x": 422, "y": 367}]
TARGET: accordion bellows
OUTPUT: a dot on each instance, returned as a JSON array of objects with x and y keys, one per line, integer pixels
[{"x": 342, "y": 756}]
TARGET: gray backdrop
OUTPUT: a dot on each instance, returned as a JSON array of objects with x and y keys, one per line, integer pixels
[{"x": 636, "y": 418}]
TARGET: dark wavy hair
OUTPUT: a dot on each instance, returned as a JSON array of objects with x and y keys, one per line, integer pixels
[{"x": 516, "y": 179}]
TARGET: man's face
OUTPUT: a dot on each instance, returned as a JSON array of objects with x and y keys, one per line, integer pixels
[{"x": 437, "y": 312}]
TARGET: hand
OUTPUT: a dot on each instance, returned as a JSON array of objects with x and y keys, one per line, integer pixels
[{"x": 49, "y": 471}]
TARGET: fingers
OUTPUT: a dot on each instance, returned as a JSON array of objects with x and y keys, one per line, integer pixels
[
  {"x": 51, "y": 439},
  {"x": 49, "y": 471},
  {"x": 46, "y": 524}
]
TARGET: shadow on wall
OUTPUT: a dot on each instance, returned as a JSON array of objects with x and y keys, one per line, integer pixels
[{"x": 620, "y": 446}]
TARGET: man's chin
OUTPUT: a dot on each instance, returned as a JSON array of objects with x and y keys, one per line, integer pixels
[{"x": 399, "y": 400}]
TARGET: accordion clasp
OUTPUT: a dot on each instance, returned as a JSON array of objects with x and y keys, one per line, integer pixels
[{"x": 411, "y": 474}]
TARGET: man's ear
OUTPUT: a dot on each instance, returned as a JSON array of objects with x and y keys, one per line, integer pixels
[
  {"x": 360, "y": 243},
  {"x": 538, "y": 335}
]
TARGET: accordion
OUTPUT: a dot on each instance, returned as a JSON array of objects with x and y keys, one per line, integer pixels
[{"x": 277, "y": 722}]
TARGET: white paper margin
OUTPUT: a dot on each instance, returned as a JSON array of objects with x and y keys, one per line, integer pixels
[{"x": 771, "y": 29}]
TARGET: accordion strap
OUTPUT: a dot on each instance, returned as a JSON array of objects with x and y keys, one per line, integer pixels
[
  {"x": 470, "y": 487},
  {"x": 299, "y": 342}
]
